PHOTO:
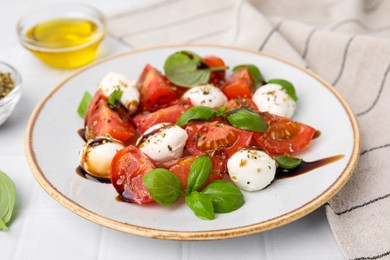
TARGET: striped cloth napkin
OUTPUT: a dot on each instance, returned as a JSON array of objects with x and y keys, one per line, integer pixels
[{"x": 346, "y": 42}]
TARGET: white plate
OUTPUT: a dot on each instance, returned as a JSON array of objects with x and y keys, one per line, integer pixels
[{"x": 52, "y": 147}]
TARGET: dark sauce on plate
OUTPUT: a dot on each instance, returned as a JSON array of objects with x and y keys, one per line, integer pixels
[
  {"x": 81, "y": 133},
  {"x": 81, "y": 172},
  {"x": 306, "y": 167},
  {"x": 120, "y": 199},
  {"x": 317, "y": 134}
]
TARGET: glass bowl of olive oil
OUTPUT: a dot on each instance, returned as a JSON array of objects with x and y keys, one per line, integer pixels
[{"x": 63, "y": 35}]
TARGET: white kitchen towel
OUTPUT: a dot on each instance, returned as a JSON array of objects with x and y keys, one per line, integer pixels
[{"x": 346, "y": 42}]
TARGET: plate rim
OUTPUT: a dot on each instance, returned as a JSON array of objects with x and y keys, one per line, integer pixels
[{"x": 192, "y": 235}]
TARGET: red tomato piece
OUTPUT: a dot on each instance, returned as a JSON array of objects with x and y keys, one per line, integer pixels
[
  {"x": 155, "y": 89},
  {"x": 164, "y": 115},
  {"x": 181, "y": 168},
  {"x": 217, "y": 78},
  {"x": 283, "y": 135},
  {"x": 209, "y": 137},
  {"x": 128, "y": 167},
  {"x": 101, "y": 120},
  {"x": 240, "y": 84},
  {"x": 246, "y": 103}
]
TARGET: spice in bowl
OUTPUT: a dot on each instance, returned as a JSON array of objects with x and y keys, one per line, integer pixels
[
  {"x": 64, "y": 36},
  {"x": 10, "y": 90},
  {"x": 6, "y": 84}
]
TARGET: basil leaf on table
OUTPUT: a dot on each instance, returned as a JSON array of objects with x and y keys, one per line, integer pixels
[
  {"x": 201, "y": 205},
  {"x": 84, "y": 103},
  {"x": 114, "y": 100},
  {"x": 199, "y": 173},
  {"x": 196, "y": 113},
  {"x": 188, "y": 69},
  {"x": 224, "y": 195},
  {"x": 287, "y": 85},
  {"x": 287, "y": 162},
  {"x": 246, "y": 120},
  {"x": 254, "y": 71},
  {"x": 164, "y": 186},
  {"x": 7, "y": 200}
]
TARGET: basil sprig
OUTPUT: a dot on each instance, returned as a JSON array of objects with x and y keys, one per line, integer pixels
[
  {"x": 199, "y": 172},
  {"x": 287, "y": 162},
  {"x": 217, "y": 197},
  {"x": 221, "y": 112},
  {"x": 84, "y": 103},
  {"x": 7, "y": 200},
  {"x": 196, "y": 113},
  {"x": 114, "y": 100},
  {"x": 188, "y": 69},
  {"x": 254, "y": 71},
  {"x": 225, "y": 196},
  {"x": 287, "y": 85},
  {"x": 241, "y": 118},
  {"x": 164, "y": 186},
  {"x": 246, "y": 120},
  {"x": 201, "y": 205}
]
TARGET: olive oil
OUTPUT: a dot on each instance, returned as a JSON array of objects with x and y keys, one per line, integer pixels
[{"x": 65, "y": 43}]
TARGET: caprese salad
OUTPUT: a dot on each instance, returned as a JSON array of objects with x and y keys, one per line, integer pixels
[{"x": 191, "y": 132}]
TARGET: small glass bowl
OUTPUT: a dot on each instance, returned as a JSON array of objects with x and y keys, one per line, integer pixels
[
  {"x": 55, "y": 54},
  {"x": 7, "y": 103}
]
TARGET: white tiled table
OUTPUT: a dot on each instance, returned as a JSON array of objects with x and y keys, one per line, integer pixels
[{"x": 43, "y": 229}]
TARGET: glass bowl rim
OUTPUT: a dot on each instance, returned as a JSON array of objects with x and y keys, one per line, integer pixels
[{"x": 35, "y": 45}]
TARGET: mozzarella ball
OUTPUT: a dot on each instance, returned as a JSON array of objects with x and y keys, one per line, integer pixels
[
  {"x": 163, "y": 142},
  {"x": 274, "y": 99},
  {"x": 130, "y": 94},
  {"x": 97, "y": 154},
  {"x": 206, "y": 95},
  {"x": 130, "y": 99},
  {"x": 251, "y": 169}
]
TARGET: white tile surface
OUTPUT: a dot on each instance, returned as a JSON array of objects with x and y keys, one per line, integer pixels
[{"x": 43, "y": 229}]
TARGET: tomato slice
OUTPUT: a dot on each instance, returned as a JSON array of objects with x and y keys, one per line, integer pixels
[
  {"x": 209, "y": 137},
  {"x": 128, "y": 167},
  {"x": 164, "y": 115},
  {"x": 246, "y": 103},
  {"x": 101, "y": 120},
  {"x": 217, "y": 78},
  {"x": 181, "y": 168},
  {"x": 240, "y": 84},
  {"x": 155, "y": 89},
  {"x": 283, "y": 135}
]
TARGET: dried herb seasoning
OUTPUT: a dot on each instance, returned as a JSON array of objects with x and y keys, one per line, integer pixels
[{"x": 6, "y": 84}]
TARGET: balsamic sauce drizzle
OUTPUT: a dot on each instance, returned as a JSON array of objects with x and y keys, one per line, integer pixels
[
  {"x": 81, "y": 172},
  {"x": 305, "y": 167}
]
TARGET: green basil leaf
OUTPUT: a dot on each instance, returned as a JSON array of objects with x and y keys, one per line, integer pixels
[
  {"x": 225, "y": 196},
  {"x": 114, "y": 100},
  {"x": 84, "y": 103},
  {"x": 188, "y": 69},
  {"x": 196, "y": 113},
  {"x": 221, "y": 111},
  {"x": 288, "y": 86},
  {"x": 287, "y": 162},
  {"x": 199, "y": 173},
  {"x": 246, "y": 120},
  {"x": 254, "y": 71},
  {"x": 201, "y": 205},
  {"x": 164, "y": 186},
  {"x": 7, "y": 200}
]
